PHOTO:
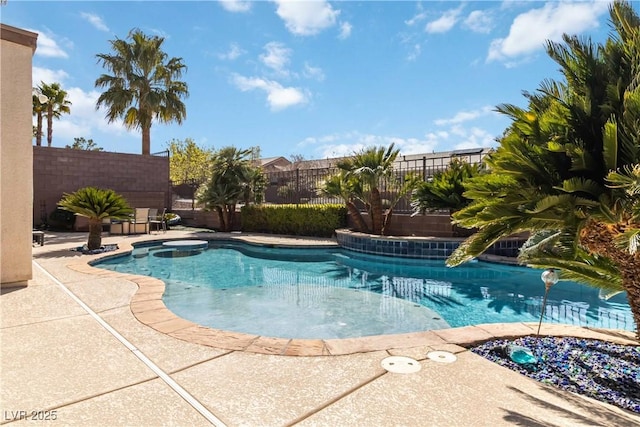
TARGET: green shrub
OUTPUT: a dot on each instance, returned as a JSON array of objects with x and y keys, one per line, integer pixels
[{"x": 294, "y": 220}]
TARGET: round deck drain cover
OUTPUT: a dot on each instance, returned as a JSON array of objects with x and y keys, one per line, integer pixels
[
  {"x": 400, "y": 364},
  {"x": 442, "y": 356}
]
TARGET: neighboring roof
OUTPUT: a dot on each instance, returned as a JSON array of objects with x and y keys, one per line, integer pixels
[{"x": 267, "y": 161}]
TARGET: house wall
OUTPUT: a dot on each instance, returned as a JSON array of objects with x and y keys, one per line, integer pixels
[
  {"x": 142, "y": 180},
  {"x": 16, "y": 181}
]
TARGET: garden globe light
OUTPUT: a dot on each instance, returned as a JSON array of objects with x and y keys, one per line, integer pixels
[{"x": 550, "y": 278}]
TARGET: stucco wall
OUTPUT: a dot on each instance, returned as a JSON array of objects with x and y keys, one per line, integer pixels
[
  {"x": 16, "y": 181},
  {"x": 142, "y": 180}
]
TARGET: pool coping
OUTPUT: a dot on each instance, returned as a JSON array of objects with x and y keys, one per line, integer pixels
[{"x": 148, "y": 308}]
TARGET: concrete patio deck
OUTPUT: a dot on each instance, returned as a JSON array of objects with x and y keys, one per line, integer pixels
[{"x": 77, "y": 346}]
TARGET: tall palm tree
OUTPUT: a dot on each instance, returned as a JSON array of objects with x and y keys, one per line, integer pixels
[
  {"x": 95, "y": 204},
  {"x": 56, "y": 105},
  {"x": 143, "y": 85},
  {"x": 39, "y": 108},
  {"x": 565, "y": 168}
]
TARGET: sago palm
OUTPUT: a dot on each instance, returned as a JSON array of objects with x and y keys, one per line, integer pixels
[
  {"x": 564, "y": 167},
  {"x": 95, "y": 204},
  {"x": 143, "y": 85}
]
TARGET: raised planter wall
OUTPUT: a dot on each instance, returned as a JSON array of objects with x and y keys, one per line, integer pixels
[{"x": 417, "y": 247}]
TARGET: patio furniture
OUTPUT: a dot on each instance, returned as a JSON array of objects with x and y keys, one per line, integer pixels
[
  {"x": 38, "y": 236},
  {"x": 119, "y": 226},
  {"x": 158, "y": 220},
  {"x": 139, "y": 221}
]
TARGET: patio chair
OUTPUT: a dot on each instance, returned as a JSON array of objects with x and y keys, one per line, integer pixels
[
  {"x": 139, "y": 221},
  {"x": 158, "y": 220}
]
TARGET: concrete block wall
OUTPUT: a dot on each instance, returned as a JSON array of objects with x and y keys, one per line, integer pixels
[{"x": 142, "y": 180}]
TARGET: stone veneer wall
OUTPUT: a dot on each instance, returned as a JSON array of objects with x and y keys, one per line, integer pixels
[
  {"x": 417, "y": 247},
  {"x": 142, "y": 180}
]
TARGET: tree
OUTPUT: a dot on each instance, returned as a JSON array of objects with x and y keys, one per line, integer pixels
[
  {"x": 359, "y": 179},
  {"x": 39, "y": 108},
  {"x": 55, "y": 105},
  {"x": 143, "y": 85},
  {"x": 83, "y": 144},
  {"x": 233, "y": 180},
  {"x": 445, "y": 190},
  {"x": 567, "y": 166},
  {"x": 188, "y": 161},
  {"x": 95, "y": 204}
]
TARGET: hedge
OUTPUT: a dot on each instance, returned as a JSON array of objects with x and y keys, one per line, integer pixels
[{"x": 294, "y": 220}]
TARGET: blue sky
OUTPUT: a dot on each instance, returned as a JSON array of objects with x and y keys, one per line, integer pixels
[{"x": 313, "y": 78}]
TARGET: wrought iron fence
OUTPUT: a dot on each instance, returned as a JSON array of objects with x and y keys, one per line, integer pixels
[{"x": 300, "y": 185}]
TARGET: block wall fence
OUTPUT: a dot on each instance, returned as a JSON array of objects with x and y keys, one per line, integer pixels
[{"x": 142, "y": 180}]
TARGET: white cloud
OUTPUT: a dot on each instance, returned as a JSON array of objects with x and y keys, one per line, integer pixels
[
  {"x": 233, "y": 53},
  {"x": 465, "y": 116},
  {"x": 415, "y": 52},
  {"x": 445, "y": 22},
  {"x": 348, "y": 143},
  {"x": 474, "y": 138},
  {"x": 531, "y": 29},
  {"x": 416, "y": 18},
  {"x": 278, "y": 96},
  {"x": 313, "y": 72},
  {"x": 84, "y": 120},
  {"x": 48, "y": 76},
  {"x": 306, "y": 18},
  {"x": 48, "y": 47},
  {"x": 95, "y": 20},
  {"x": 479, "y": 21},
  {"x": 276, "y": 57},
  {"x": 235, "y": 5},
  {"x": 345, "y": 30}
]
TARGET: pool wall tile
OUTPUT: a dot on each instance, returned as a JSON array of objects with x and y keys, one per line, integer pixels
[{"x": 418, "y": 247}]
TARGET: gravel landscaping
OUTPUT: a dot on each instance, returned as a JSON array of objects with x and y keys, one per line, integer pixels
[{"x": 600, "y": 370}]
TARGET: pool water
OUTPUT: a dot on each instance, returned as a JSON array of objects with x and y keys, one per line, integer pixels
[{"x": 333, "y": 293}]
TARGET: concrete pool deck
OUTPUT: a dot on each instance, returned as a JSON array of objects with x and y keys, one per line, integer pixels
[{"x": 76, "y": 344}]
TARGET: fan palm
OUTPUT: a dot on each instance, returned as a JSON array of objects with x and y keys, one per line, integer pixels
[
  {"x": 56, "y": 105},
  {"x": 565, "y": 168},
  {"x": 338, "y": 185},
  {"x": 95, "y": 204},
  {"x": 39, "y": 108},
  {"x": 143, "y": 85},
  {"x": 233, "y": 180},
  {"x": 360, "y": 178}
]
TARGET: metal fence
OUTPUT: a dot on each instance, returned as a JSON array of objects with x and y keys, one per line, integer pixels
[{"x": 300, "y": 186}]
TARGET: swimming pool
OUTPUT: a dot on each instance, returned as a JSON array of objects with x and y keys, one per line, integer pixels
[{"x": 334, "y": 293}]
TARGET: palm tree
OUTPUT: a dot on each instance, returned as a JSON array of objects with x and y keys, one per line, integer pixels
[
  {"x": 339, "y": 185},
  {"x": 566, "y": 167},
  {"x": 359, "y": 179},
  {"x": 39, "y": 109},
  {"x": 95, "y": 204},
  {"x": 232, "y": 180},
  {"x": 143, "y": 85},
  {"x": 56, "y": 104}
]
